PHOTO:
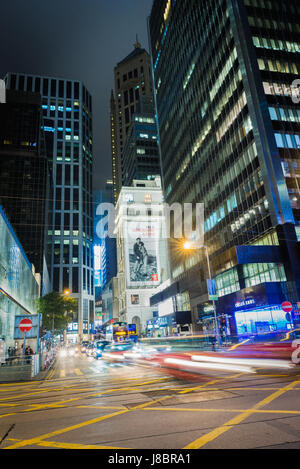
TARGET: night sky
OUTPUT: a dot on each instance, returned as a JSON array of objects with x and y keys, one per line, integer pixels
[{"x": 75, "y": 39}]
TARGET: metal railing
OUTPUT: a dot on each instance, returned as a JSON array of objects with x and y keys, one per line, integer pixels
[{"x": 19, "y": 368}]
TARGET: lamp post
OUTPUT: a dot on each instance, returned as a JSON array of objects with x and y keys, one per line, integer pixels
[
  {"x": 187, "y": 246},
  {"x": 66, "y": 292}
]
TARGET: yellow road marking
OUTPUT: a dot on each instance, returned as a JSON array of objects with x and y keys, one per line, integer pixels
[
  {"x": 112, "y": 407},
  {"x": 9, "y": 405},
  {"x": 52, "y": 371},
  {"x": 183, "y": 409},
  {"x": 24, "y": 395},
  {"x": 209, "y": 383},
  {"x": 233, "y": 347},
  {"x": 7, "y": 415},
  {"x": 52, "y": 405},
  {"x": 56, "y": 444},
  {"x": 203, "y": 440},
  {"x": 18, "y": 384},
  {"x": 37, "y": 440}
]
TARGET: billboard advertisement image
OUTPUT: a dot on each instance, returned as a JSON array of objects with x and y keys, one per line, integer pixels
[{"x": 142, "y": 253}]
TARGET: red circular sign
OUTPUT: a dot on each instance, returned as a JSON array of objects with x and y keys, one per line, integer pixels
[
  {"x": 25, "y": 325},
  {"x": 287, "y": 307}
]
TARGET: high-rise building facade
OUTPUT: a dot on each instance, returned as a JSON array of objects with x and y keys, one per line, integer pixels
[
  {"x": 19, "y": 287},
  {"x": 25, "y": 178},
  {"x": 133, "y": 78},
  {"x": 142, "y": 253},
  {"x": 141, "y": 152},
  {"x": 229, "y": 129},
  {"x": 104, "y": 246},
  {"x": 67, "y": 114}
]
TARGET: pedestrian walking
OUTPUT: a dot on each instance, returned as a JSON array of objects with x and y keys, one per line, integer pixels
[
  {"x": 11, "y": 354},
  {"x": 28, "y": 353}
]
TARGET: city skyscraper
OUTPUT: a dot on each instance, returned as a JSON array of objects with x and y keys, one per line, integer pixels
[
  {"x": 67, "y": 115},
  {"x": 25, "y": 178},
  {"x": 133, "y": 78},
  {"x": 229, "y": 129},
  {"x": 104, "y": 246},
  {"x": 105, "y": 255},
  {"x": 141, "y": 153}
]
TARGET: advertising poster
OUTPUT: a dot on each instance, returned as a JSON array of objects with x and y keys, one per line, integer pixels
[
  {"x": 97, "y": 265},
  {"x": 142, "y": 253}
]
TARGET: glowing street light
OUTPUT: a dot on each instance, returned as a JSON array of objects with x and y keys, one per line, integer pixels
[{"x": 187, "y": 245}]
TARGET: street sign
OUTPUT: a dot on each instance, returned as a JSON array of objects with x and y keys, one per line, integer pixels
[
  {"x": 25, "y": 325},
  {"x": 288, "y": 317},
  {"x": 212, "y": 289},
  {"x": 287, "y": 307}
]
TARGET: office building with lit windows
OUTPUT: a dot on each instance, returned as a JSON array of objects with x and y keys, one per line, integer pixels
[
  {"x": 229, "y": 125},
  {"x": 26, "y": 180},
  {"x": 67, "y": 123},
  {"x": 141, "y": 152},
  {"x": 132, "y": 79}
]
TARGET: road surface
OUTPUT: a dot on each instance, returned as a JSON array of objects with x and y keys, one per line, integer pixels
[{"x": 90, "y": 404}]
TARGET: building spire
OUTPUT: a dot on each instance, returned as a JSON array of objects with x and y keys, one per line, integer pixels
[{"x": 137, "y": 45}]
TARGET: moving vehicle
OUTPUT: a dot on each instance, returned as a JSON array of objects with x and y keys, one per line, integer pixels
[
  {"x": 132, "y": 332},
  {"x": 117, "y": 332},
  {"x": 90, "y": 349},
  {"x": 98, "y": 349},
  {"x": 84, "y": 346},
  {"x": 68, "y": 351},
  {"x": 114, "y": 351}
]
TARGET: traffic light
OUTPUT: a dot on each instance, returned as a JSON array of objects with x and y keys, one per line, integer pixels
[{"x": 222, "y": 320}]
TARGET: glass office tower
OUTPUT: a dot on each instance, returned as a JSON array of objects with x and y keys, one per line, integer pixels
[
  {"x": 25, "y": 178},
  {"x": 67, "y": 114},
  {"x": 132, "y": 79},
  {"x": 229, "y": 126},
  {"x": 140, "y": 153},
  {"x": 104, "y": 246}
]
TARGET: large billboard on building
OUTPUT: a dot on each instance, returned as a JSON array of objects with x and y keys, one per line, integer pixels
[{"x": 141, "y": 241}]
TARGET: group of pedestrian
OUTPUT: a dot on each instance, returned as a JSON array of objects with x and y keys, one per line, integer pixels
[{"x": 14, "y": 352}]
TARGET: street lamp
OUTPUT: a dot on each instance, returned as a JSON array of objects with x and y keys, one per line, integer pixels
[
  {"x": 66, "y": 292},
  {"x": 187, "y": 245}
]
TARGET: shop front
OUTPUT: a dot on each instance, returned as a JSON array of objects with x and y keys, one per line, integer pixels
[
  {"x": 163, "y": 326},
  {"x": 177, "y": 323},
  {"x": 19, "y": 287},
  {"x": 256, "y": 310}
]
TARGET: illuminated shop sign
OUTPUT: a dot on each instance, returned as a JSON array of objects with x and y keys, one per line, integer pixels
[{"x": 240, "y": 304}]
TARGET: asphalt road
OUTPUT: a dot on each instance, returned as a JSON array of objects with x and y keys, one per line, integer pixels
[{"x": 89, "y": 404}]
